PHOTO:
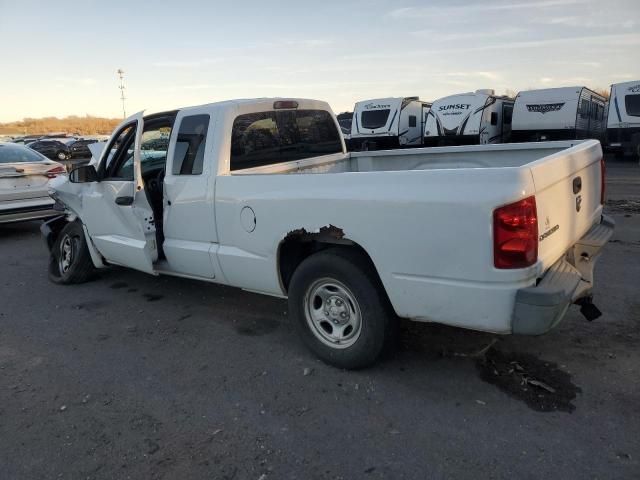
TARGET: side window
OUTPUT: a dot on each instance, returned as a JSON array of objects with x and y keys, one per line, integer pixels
[
  {"x": 412, "y": 121},
  {"x": 632, "y": 105},
  {"x": 494, "y": 118},
  {"x": 188, "y": 157},
  {"x": 254, "y": 140},
  {"x": 153, "y": 147},
  {"x": 584, "y": 108},
  {"x": 118, "y": 160},
  {"x": 507, "y": 115}
]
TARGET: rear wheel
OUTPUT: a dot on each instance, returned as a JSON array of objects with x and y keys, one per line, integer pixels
[
  {"x": 69, "y": 260},
  {"x": 340, "y": 309}
]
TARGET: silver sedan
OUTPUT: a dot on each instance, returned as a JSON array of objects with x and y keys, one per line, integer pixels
[{"x": 24, "y": 174}]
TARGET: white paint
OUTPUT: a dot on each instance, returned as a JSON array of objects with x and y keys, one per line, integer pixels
[
  {"x": 566, "y": 108},
  {"x": 466, "y": 117},
  {"x": 618, "y": 116},
  {"x": 397, "y": 125}
]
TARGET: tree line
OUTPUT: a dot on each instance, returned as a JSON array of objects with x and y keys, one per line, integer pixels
[{"x": 73, "y": 124}]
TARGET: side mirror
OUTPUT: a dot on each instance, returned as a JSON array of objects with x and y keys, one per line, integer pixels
[
  {"x": 83, "y": 174},
  {"x": 494, "y": 118}
]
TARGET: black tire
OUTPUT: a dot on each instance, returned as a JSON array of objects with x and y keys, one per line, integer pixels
[
  {"x": 78, "y": 266},
  {"x": 352, "y": 274}
]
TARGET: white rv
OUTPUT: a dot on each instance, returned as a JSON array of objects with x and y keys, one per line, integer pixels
[
  {"x": 478, "y": 117},
  {"x": 387, "y": 123},
  {"x": 567, "y": 113},
  {"x": 623, "y": 119}
]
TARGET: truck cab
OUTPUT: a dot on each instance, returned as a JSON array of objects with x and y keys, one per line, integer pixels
[{"x": 148, "y": 203}]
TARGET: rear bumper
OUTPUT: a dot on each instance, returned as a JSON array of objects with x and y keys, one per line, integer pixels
[
  {"x": 23, "y": 210},
  {"x": 540, "y": 308}
]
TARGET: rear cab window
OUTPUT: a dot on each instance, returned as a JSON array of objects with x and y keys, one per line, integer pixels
[{"x": 279, "y": 136}]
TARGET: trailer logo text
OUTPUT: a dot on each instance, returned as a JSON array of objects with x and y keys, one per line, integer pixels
[
  {"x": 635, "y": 88},
  {"x": 545, "y": 107},
  {"x": 373, "y": 106},
  {"x": 454, "y": 106}
]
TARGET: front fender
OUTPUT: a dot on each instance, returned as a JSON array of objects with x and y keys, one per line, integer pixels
[{"x": 50, "y": 229}]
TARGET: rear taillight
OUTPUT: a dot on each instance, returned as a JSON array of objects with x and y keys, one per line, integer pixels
[
  {"x": 515, "y": 234},
  {"x": 603, "y": 175},
  {"x": 55, "y": 171}
]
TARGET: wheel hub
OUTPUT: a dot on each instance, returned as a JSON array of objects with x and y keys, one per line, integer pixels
[{"x": 336, "y": 310}]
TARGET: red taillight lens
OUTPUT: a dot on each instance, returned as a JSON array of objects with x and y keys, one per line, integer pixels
[
  {"x": 515, "y": 234},
  {"x": 55, "y": 171},
  {"x": 603, "y": 176}
]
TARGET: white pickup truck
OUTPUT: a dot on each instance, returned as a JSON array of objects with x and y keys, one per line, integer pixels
[{"x": 262, "y": 195}]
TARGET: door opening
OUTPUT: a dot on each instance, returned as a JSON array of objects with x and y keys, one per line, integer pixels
[{"x": 153, "y": 159}]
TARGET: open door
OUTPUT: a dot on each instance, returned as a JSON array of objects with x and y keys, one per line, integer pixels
[{"x": 115, "y": 209}]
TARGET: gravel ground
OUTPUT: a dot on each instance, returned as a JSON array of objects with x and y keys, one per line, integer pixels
[{"x": 132, "y": 376}]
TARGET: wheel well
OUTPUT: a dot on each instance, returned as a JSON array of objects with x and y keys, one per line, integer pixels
[
  {"x": 299, "y": 245},
  {"x": 52, "y": 228}
]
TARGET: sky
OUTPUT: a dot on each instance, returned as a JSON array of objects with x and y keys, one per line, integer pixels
[{"x": 60, "y": 58}]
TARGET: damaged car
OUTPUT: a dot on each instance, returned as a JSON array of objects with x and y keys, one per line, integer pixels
[{"x": 262, "y": 195}]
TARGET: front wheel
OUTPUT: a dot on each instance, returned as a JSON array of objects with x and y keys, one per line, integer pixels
[
  {"x": 340, "y": 309},
  {"x": 69, "y": 260},
  {"x": 61, "y": 155}
]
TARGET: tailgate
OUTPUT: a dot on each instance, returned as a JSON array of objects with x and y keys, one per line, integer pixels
[{"x": 567, "y": 187}]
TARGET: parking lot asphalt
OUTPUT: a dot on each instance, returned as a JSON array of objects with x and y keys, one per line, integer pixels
[{"x": 142, "y": 377}]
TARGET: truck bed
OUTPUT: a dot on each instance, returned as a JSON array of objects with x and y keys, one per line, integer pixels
[
  {"x": 435, "y": 205},
  {"x": 437, "y": 158}
]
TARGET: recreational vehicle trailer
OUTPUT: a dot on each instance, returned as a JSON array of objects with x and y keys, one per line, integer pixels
[
  {"x": 478, "y": 117},
  {"x": 387, "y": 123},
  {"x": 623, "y": 119},
  {"x": 567, "y": 113}
]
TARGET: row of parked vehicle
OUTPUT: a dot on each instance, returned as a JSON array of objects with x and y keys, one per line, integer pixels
[
  {"x": 482, "y": 117},
  {"x": 58, "y": 147}
]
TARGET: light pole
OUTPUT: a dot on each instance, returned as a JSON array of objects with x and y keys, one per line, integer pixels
[{"x": 120, "y": 73}]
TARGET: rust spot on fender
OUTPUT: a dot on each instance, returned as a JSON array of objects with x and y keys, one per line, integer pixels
[
  {"x": 326, "y": 232},
  {"x": 332, "y": 231}
]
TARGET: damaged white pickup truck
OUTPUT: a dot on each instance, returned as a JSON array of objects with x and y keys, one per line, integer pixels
[{"x": 261, "y": 194}]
